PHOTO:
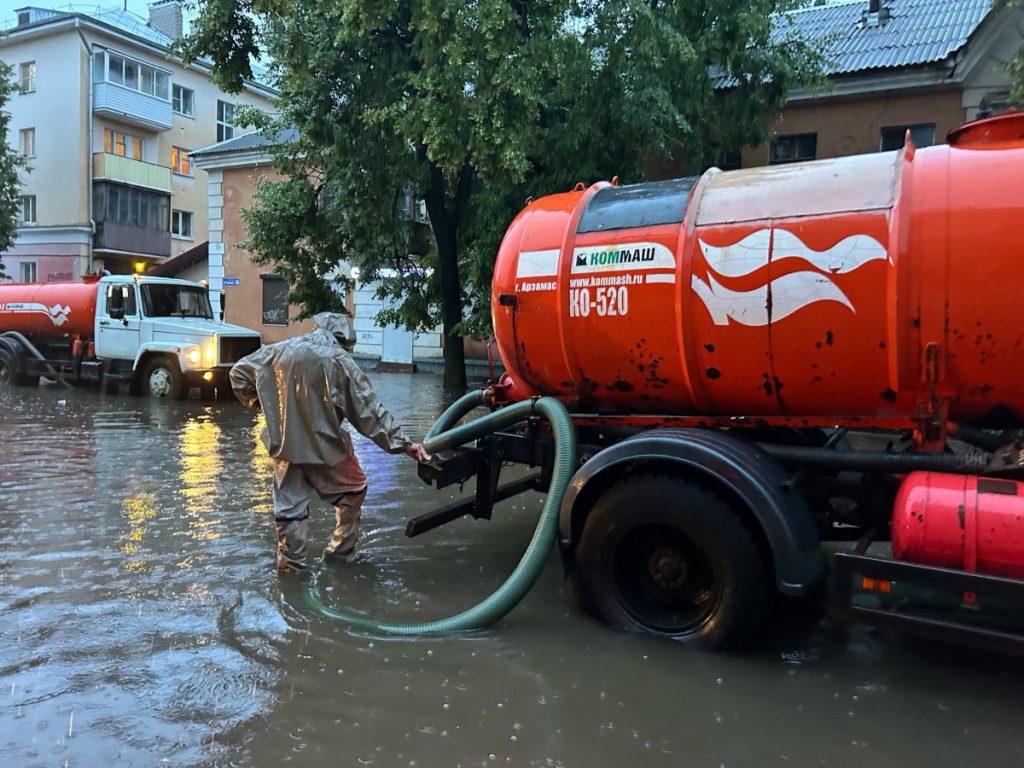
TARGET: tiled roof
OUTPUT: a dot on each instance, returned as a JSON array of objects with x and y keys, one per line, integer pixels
[
  {"x": 916, "y": 32},
  {"x": 246, "y": 143}
]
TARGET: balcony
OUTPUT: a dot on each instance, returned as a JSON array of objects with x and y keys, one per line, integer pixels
[
  {"x": 131, "y": 106},
  {"x": 127, "y": 239},
  {"x": 128, "y": 171}
]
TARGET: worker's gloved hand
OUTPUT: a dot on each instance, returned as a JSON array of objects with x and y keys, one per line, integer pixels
[{"x": 418, "y": 452}]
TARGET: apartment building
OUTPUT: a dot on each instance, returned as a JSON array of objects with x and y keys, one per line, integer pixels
[{"x": 107, "y": 119}]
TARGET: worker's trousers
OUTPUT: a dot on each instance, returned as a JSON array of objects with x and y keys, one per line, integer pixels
[{"x": 343, "y": 486}]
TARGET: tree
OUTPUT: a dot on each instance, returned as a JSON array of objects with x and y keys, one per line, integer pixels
[
  {"x": 11, "y": 162},
  {"x": 474, "y": 106},
  {"x": 1016, "y": 64}
]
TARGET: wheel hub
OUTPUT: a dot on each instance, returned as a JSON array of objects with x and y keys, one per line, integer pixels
[
  {"x": 5, "y": 372},
  {"x": 160, "y": 382},
  {"x": 668, "y": 568}
]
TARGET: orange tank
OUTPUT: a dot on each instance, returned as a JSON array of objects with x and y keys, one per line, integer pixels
[
  {"x": 49, "y": 310},
  {"x": 860, "y": 288}
]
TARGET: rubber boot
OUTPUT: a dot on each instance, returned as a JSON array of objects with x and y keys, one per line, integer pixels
[
  {"x": 342, "y": 545},
  {"x": 291, "y": 545}
]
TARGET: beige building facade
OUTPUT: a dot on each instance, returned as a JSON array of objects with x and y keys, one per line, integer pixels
[{"x": 108, "y": 119}]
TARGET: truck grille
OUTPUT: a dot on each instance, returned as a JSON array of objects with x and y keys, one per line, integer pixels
[{"x": 234, "y": 348}]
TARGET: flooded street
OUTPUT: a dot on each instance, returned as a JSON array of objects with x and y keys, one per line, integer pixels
[{"x": 144, "y": 624}]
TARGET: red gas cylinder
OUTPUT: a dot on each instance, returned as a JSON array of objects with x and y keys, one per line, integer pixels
[
  {"x": 849, "y": 287},
  {"x": 960, "y": 521},
  {"x": 49, "y": 310}
]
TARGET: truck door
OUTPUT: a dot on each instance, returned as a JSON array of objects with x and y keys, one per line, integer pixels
[{"x": 118, "y": 323}]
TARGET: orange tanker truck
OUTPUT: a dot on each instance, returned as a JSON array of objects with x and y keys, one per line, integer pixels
[
  {"x": 761, "y": 361},
  {"x": 156, "y": 334}
]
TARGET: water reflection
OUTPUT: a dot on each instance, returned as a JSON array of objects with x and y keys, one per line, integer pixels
[
  {"x": 260, "y": 464},
  {"x": 201, "y": 475},
  {"x": 138, "y": 510}
]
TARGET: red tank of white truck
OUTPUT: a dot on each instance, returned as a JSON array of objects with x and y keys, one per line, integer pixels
[
  {"x": 49, "y": 310},
  {"x": 849, "y": 287}
]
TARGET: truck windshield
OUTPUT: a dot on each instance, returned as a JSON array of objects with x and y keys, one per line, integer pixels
[{"x": 175, "y": 301}]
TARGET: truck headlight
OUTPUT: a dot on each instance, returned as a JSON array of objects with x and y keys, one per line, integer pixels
[
  {"x": 194, "y": 356},
  {"x": 210, "y": 351}
]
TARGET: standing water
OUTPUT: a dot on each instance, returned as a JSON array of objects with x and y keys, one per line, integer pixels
[{"x": 144, "y": 624}]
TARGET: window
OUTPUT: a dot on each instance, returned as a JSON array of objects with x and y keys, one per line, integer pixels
[
  {"x": 181, "y": 224},
  {"x": 170, "y": 300},
  {"x": 225, "y": 120},
  {"x": 28, "y": 209},
  {"x": 131, "y": 206},
  {"x": 183, "y": 100},
  {"x": 28, "y": 141},
  {"x": 275, "y": 300},
  {"x": 180, "y": 163},
  {"x": 123, "y": 144},
  {"x": 114, "y": 68},
  {"x": 27, "y": 80},
  {"x": 120, "y": 301},
  {"x": 793, "y": 149},
  {"x": 28, "y": 271},
  {"x": 922, "y": 134}
]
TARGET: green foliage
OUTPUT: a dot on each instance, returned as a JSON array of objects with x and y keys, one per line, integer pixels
[
  {"x": 474, "y": 106},
  {"x": 1016, "y": 64},
  {"x": 11, "y": 162}
]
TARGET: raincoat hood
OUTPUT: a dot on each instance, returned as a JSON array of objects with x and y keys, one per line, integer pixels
[{"x": 339, "y": 326}]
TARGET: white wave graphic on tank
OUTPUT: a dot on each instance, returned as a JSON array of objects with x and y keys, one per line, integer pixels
[{"x": 789, "y": 293}]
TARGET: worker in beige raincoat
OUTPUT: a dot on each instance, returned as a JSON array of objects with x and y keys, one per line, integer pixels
[{"x": 307, "y": 387}]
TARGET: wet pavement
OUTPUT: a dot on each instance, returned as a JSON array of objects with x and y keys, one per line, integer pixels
[{"x": 143, "y": 624}]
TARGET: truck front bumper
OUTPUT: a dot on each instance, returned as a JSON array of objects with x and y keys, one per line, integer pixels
[{"x": 208, "y": 377}]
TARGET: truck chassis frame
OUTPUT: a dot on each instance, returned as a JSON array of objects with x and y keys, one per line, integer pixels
[{"x": 863, "y": 588}]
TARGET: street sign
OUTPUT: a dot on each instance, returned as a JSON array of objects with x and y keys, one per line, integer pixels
[{"x": 230, "y": 281}]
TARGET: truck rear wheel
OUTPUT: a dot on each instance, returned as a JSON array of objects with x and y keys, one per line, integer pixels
[
  {"x": 662, "y": 555},
  {"x": 11, "y": 373},
  {"x": 161, "y": 378},
  {"x": 8, "y": 367}
]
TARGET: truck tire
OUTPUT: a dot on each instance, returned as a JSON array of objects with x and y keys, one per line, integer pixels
[
  {"x": 8, "y": 367},
  {"x": 162, "y": 379},
  {"x": 662, "y": 555}
]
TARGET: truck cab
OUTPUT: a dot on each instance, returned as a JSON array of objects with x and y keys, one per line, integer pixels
[{"x": 160, "y": 335}]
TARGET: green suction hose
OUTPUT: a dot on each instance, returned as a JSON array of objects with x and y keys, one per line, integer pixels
[{"x": 442, "y": 436}]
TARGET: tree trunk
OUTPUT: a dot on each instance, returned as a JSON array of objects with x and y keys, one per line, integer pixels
[{"x": 445, "y": 224}]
